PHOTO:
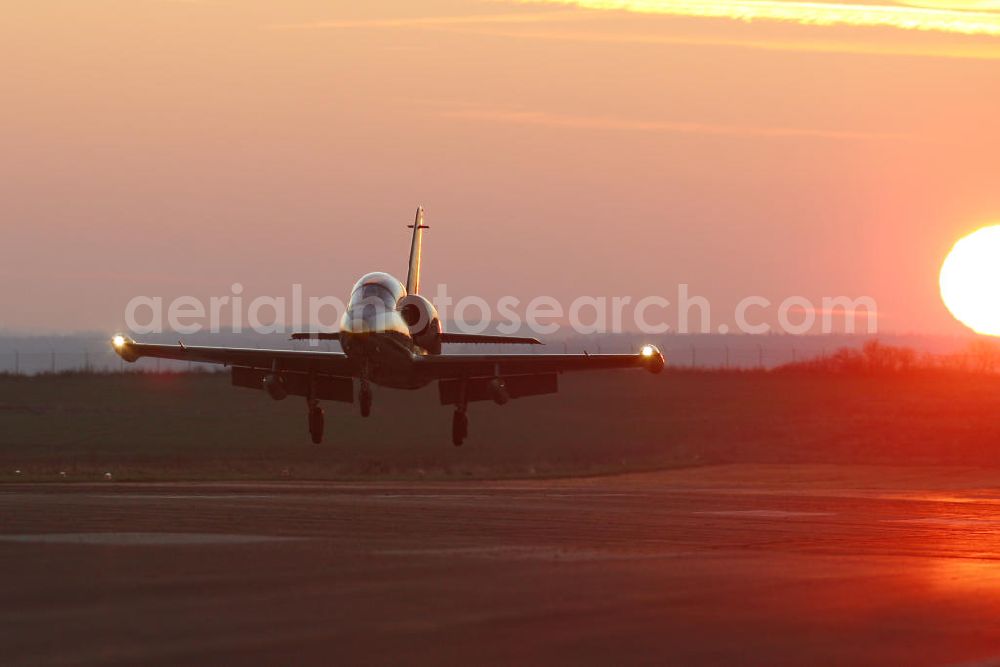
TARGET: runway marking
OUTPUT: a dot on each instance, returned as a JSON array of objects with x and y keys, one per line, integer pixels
[
  {"x": 338, "y": 495},
  {"x": 987, "y": 662},
  {"x": 537, "y": 553},
  {"x": 184, "y": 496},
  {"x": 946, "y": 521},
  {"x": 490, "y": 496},
  {"x": 142, "y": 539},
  {"x": 766, "y": 514}
]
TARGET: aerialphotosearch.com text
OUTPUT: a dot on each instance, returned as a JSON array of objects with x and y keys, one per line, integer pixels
[{"x": 541, "y": 315}]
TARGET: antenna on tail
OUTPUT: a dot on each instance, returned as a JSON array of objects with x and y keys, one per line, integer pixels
[{"x": 413, "y": 275}]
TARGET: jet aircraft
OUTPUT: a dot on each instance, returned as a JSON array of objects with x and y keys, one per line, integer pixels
[{"x": 392, "y": 336}]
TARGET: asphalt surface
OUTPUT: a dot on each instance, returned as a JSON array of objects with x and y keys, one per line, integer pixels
[{"x": 734, "y": 565}]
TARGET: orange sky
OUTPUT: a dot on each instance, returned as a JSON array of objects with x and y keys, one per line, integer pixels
[{"x": 567, "y": 148}]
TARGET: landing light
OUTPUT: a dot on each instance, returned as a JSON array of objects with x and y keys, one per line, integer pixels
[
  {"x": 118, "y": 341},
  {"x": 647, "y": 350}
]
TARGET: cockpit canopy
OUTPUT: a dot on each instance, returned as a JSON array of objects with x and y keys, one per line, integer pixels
[{"x": 380, "y": 286}]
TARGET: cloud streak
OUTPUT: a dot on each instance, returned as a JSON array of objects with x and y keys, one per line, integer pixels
[
  {"x": 555, "y": 24},
  {"x": 975, "y": 5},
  {"x": 976, "y": 51},
  {"x": 904, "y": 17},
  {"x": 568, "y": 121},
  {"x": 437, "y": 21}
]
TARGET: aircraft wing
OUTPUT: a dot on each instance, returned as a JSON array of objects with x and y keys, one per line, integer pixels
[
  {"x": 327, "y": 363},
  {"x": 480, "y": 339},
  {"x": 455, "y": 366},
  {"x": 473, "y": 339}
]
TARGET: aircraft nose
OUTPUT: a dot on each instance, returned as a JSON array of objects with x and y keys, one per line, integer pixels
[{"x": 368, "y": 318}]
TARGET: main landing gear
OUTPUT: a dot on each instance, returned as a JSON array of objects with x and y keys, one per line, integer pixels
[
  {"x": 365, "y": 398},
  {"x": 460, "y": 420},
  {"x": 315, "y": 421},
  {"x": 459, "y": 426}
]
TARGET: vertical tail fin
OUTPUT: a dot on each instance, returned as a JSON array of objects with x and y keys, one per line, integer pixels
[{"x": 413, "y": 275}]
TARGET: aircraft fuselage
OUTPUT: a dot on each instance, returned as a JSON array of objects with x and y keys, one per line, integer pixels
[{"x": 375, "y": 335}]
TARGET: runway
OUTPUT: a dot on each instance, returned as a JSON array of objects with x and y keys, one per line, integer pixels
[{"x": 769, "y": 565}]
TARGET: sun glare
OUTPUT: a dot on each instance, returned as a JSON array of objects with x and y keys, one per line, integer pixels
[{"x": 970, "y": 281}]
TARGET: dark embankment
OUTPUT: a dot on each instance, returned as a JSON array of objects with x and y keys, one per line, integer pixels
[{"x": 197, "y": 426}]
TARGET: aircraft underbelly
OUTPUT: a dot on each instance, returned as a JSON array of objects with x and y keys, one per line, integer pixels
[
  {"x": 399, "y": 380},
  {"x": 387, "y": 358}
]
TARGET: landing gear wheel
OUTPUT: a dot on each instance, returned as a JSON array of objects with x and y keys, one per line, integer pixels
[
  {"x": 316, "y": 424},
  {"x": 459, "y": 428},
  {"x": 365, "y": 399}
]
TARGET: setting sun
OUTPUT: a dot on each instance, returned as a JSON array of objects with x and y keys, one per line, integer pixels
[{"x": 970, "y": 281}]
